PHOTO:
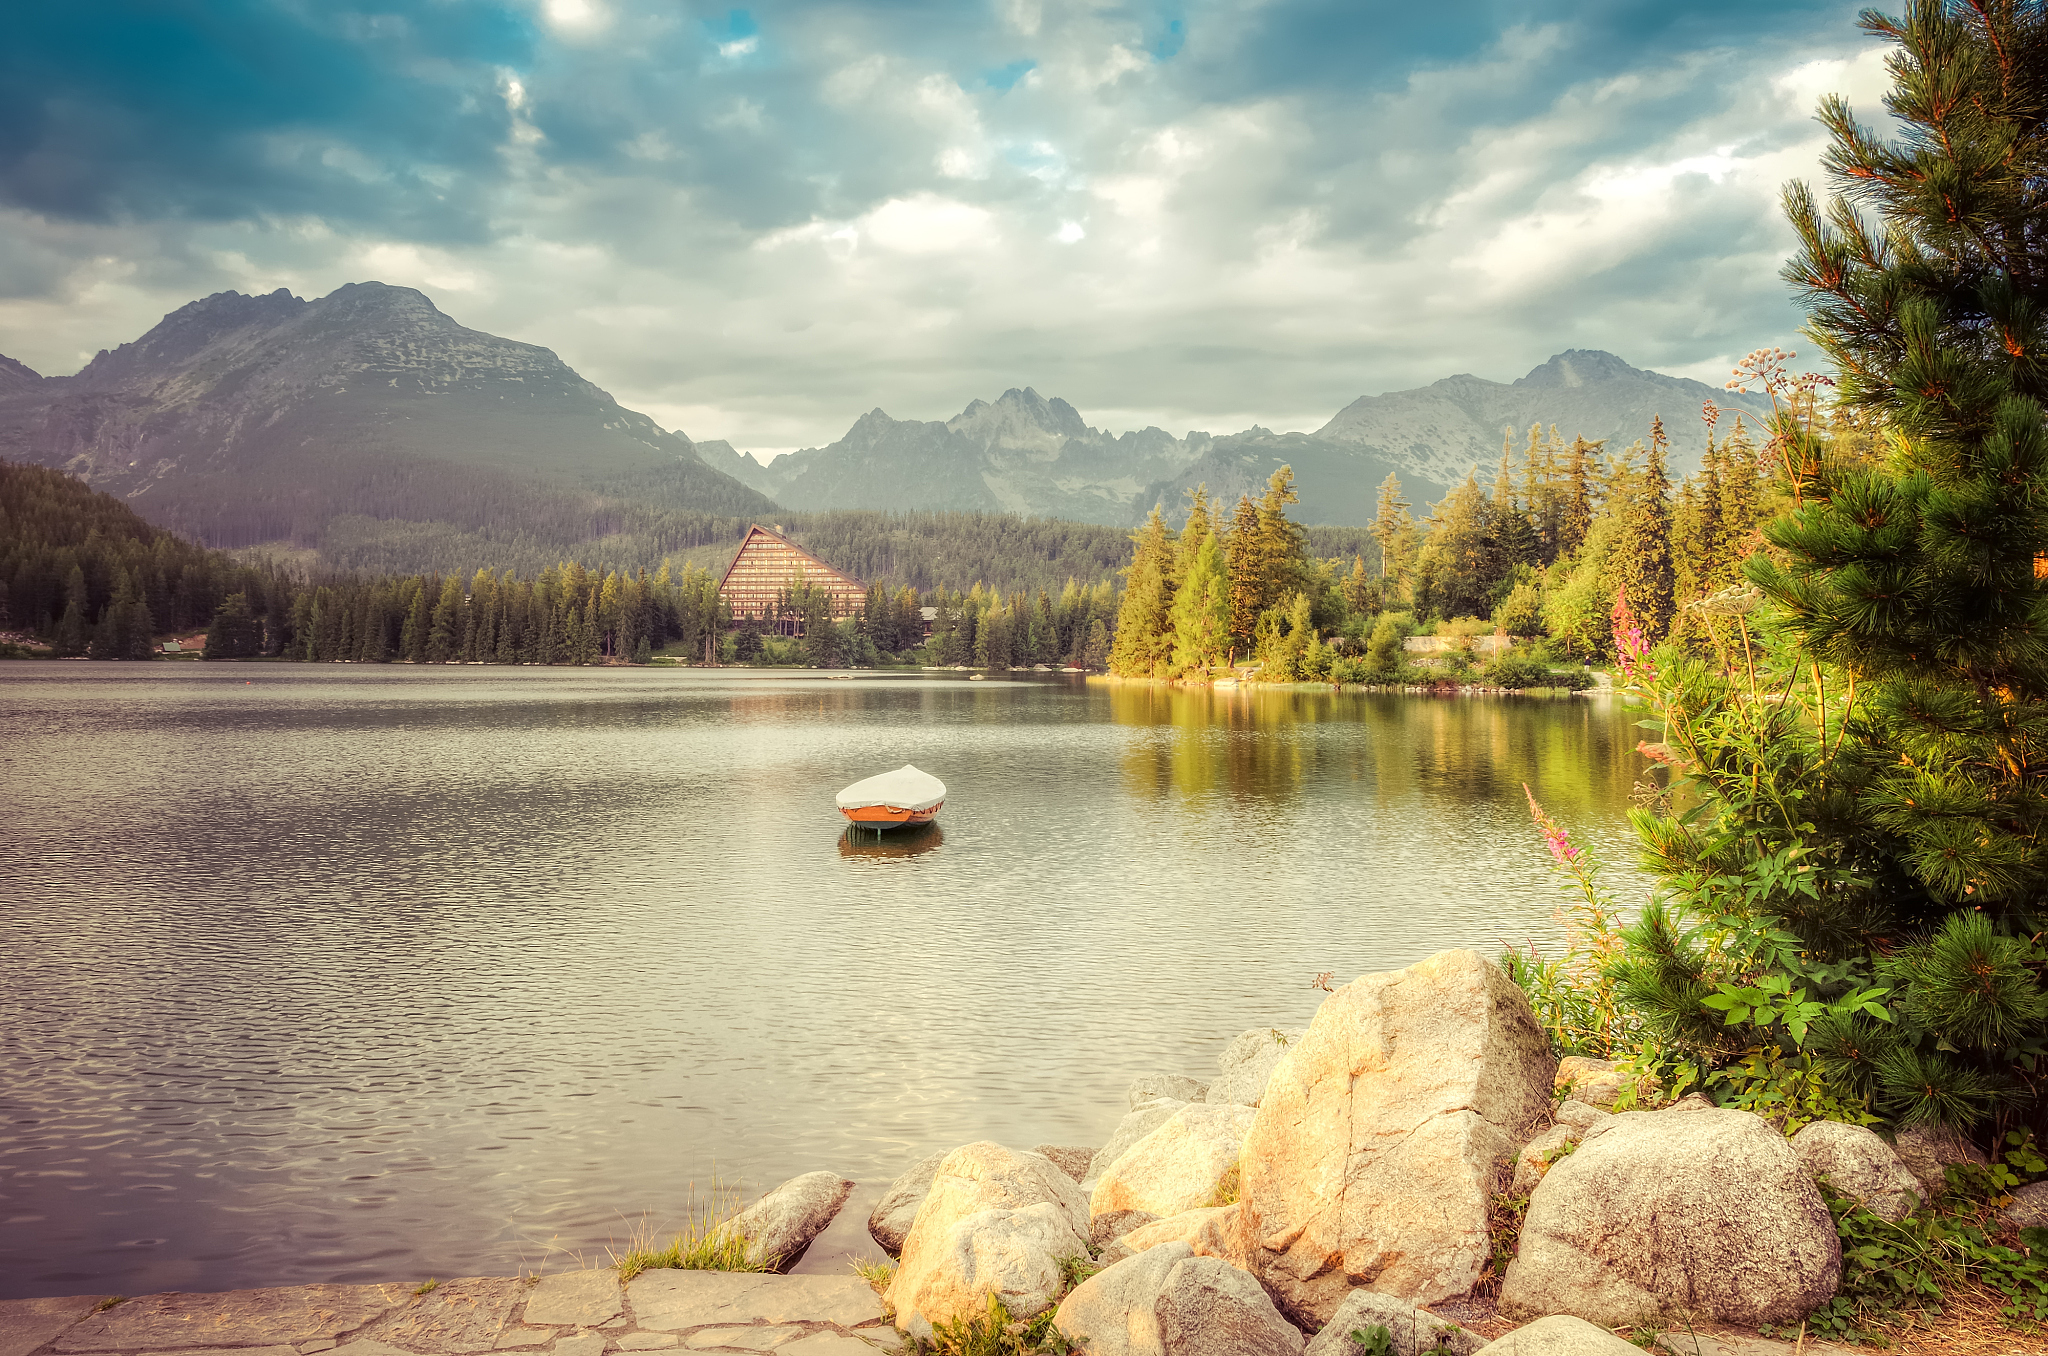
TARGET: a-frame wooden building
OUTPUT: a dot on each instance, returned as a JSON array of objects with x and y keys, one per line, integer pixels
[{"x": 766, "y": 565}]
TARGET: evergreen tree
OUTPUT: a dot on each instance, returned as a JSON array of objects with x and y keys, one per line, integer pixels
[
  {"x": 235, "y": 633},
  {"x": 1910, "y": 745},
  {"x": 444, "y": 636},
  {"x": 1200, "y": 614},
  {"x": 1241, "y": 563},
  {"x": 1143, "y": 639},
  {"x": 1642, "y": 558},
  {"x": 1576, "y": 518}
]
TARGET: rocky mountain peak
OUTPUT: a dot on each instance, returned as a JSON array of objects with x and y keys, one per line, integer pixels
[
  {"x": 15, "y": 376},
  {"x": 1020, "y": 419},
  {"x": 1580, "y": 367}
]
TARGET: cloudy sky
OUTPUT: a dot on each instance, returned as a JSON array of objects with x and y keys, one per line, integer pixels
[{"x": 756, "y": 224}]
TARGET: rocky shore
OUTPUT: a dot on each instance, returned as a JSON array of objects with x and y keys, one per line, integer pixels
[{"x": 1324, "y": 1185}]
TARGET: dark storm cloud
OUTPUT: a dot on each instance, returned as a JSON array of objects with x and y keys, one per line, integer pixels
[
  {"x": 224, "y": 109},
  {"x": 759, "y": 221}
]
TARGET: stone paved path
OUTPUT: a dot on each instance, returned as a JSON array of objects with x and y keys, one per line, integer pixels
[{"x": 576, "y": 1313}]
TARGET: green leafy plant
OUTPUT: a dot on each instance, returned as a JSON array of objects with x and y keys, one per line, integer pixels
[
  {"x": 426, "y": 1287},
  {"x": 1373, "y": 1340}
]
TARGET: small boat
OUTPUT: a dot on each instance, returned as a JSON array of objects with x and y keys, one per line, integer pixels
[
  {"x": 977, "y": 677},
  {"x": 892, "y": 799}
]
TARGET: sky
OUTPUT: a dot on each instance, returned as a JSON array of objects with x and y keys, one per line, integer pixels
[{"x": 758, "y": 224}]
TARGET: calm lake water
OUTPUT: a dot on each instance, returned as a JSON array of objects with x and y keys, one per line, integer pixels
[{"x": 338, "y": 974}]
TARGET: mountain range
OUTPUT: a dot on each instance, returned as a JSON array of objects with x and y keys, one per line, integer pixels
[
  {"x": 246, "y": 419},
  {"x": 1027, "y": 454},
  {"x": 369, "y": 416}
]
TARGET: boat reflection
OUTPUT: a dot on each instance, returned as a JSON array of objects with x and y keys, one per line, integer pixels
[{"x": 907, "y": 842}]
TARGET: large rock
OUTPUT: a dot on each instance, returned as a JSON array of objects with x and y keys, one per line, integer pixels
[
  {"x": 1071, "y": 1159},
  {"x": 1168, "y": 1302},
  {"x": 1014, "y": 1255},
  {"x": 1860, "y": 1166},
  {"x": 941, "y": 1262},
  {"x": 1247, "y": 1062},
  {"x": 1596, "y": 1082},
  {"x": 1385, "y": 1130},
  {"x": 1177, "y": 1167},
  {"x": 1700, "y": 1214},
  {"x": 1209, "y": 1308},
  {"x": 2029, "y": 1207},
  {"x": 1562, "y": 1335},
  {"x": 1538, "y": 1154},
  {"x": 1114, "y": 1312},
  {"x": 1928, "y": 1153},
  {"x": 1106, "y": 1229},
  {"x": 1212, "y": 1232},
  {"x": 890, "y": 1220},
  {"x": 1412, "y": 1331},
  {"x": 780, "y": 1225},
  {"x": 1579, "y": 1115},
  {"x": 1172, "y": 1087},
  {"x": 1139, "y": 1122}
]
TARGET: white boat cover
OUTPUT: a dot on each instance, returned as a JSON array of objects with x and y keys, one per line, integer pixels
[{"x": 904, "y": 789}]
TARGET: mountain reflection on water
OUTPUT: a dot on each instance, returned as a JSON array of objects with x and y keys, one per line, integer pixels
[{"x": 343, "y": 973}]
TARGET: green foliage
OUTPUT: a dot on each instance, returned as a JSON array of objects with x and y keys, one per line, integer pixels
[
  {"x": 1373, "y": 1340},
  {"x": 1893, "y": 1268},
  {"x": 1515, "y": 670},
  {"x": 993, "y": 1333}
]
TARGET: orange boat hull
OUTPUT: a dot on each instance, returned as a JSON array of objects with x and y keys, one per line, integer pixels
[{"x": 889, "y": 817}]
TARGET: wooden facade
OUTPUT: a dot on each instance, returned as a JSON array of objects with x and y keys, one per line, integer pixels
[{"x": 764, "y": 568}]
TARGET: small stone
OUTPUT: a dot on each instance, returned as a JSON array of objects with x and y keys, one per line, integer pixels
[
  {"x": 1538, "y": 1154},
  {"x": 1142, "y": 1121},
  {"x": 1580, "y": 1115},
  {"x": 1928, "y": 1154},
  {"x": 2029, "y": 1208},
  {"x": 1561, "y": 1335},
  {"x": 582, "y": 1299},
  {"x": 1859, "y": 1165},
  {"x": 890, "y": 1222},
  {"x": 513, "y": 1338},
  {"x": 582, "y": 1344},
  {"x": 1208, "y": 1307},
  {"x": 1412, "y": 1331},
  {"x": 779, "y": 1227},
  {"x": 1247, "y": 1063},
  {"x": 647, "y": 1341},
  {"x": 1070, "y": 1159},
  {"x": 1107, "y": 1227},
  {"x": 1152, "y": 1087},
  {"x": 1596, "y": 1082},
  {"x": 26, "y": 1324}
]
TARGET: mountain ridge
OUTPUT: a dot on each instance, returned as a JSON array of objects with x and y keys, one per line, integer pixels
[{"x": 241, "y": 419}]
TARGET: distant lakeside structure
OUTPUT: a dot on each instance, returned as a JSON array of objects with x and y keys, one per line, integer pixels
[{"x": 756, "y": 585}]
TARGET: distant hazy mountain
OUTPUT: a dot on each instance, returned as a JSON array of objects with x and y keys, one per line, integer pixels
[
  {"x": 1442, "y": 430},
  {"x": 1027, "y": 454},
  {"x": 1021, "y": 454},
  {"x": 243, "y": 419}
]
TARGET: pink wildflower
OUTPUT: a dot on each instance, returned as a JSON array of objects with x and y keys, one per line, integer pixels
[
  {"x": 1555, "y": 836},
  {"x": 1631, "y": 646}
]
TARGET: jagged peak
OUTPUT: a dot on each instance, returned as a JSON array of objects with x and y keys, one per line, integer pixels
[
  {"x": 17, "y": 376},
  {"x": 1579, "y": 366}
]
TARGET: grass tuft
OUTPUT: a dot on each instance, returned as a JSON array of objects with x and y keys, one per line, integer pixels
[
  {"x": 108, "y": 1303},
  {"x": 1231, "y": 1188},
  {"x": 876, "y": 1274},
  {"x": 426, "y": 1287},
  {"x": 993, "y": 1333},
  {"x": 702, "y": 1244}
]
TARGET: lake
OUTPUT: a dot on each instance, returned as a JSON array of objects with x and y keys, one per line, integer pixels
[{"x": 345, "y": 974}]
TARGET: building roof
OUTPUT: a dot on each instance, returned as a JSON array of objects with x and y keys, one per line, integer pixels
[{"x": 757, "y": 531}]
